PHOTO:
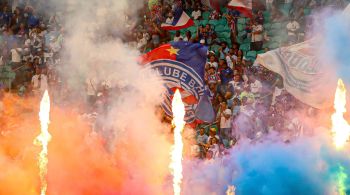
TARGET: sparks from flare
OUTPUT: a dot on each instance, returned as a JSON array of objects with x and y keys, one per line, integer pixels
[
  {"x": 178, "y": 122},
  {"x": 340, "y": 127},
  {"x": 43, "y": 140}
]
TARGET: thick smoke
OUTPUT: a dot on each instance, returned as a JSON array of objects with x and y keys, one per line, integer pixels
[
  {"x": 308, "y": 164},
  {"x": 305, "y": 166},
  {"x": 131, "y": 155}
]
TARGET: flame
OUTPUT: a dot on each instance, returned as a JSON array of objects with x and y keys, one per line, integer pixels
[
  {"x": 43, "y": 139},
  {"x": 340, "y": 127},
  {"x": 342, "y": 177},
  {"x": 178, "y": 122}
]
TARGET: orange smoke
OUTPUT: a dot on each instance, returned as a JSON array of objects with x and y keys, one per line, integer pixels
[{"x": 79, "y": 162}]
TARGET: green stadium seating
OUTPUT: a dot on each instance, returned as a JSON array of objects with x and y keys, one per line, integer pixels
[
  {"x": 267, "y": 26},
  {"x": 245, "y": 47},
  {"x": 274, "y": 45},
  {"x": 193, "y": 29},
  {"x": 215, "y": 48},
  {"x": 267, "y": 15},
  {"x": 197, "y": 22},
  {"x": 225, "y": 35},
  {"x": 204, "y": 22},
  {"x": 222, "y": 21},
  {"x": 260, "y": 52},
  {"x": 205, "y": 15},
  {"x": 240, "y": 27},
  {"x": 276, "y": 26},
  {"x": 220, "y": 28},
  {"x": 307, "y": 11},
  {"x": 251, "y": 54},
  {"x": 213, "y": 22},
  {"x": 242, "y": 21},
  {"x": 247, "y": 40},
  {"x": 277, "y": 39},
  {"x": 242, "y": 33}
]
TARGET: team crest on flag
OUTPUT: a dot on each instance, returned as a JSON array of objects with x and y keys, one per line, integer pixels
[
  {"x": 181, "y": 66},
  {"x": 179, "y": 76}
]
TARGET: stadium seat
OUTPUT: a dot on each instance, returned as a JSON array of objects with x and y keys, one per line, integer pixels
[
  {"x": 276, "y": 26},
  {"x": 214, "y": 22},
  {"x": 197, "y": 22},
  {"x": 205, "y": 15},
  {"x": 241, "y": 21},
  {"x": 307, "y": 11},
  {"x": 225, "y": 36},
  {"x": 193, "y": 29},
  {"x": 247, "y": 40},
  {"x": 222, "y": 21},
  {"x": 204, "y": 22},
  {"x": 274, "y": 45},
  {"x": 220, "y": 28},
  {"x": 242, "y": 33},
  {"x": 245, "y": 47},
  {"x": 267, "y": 14},
  {"x": 215, "y": 48},
  {"x": 251, "y": 54},
  {"x": 240, "y": 27},
  {"x": 260, "y": 52},
  {"x": 277, "y": 39},
  {"x": 267, "y": 26}
]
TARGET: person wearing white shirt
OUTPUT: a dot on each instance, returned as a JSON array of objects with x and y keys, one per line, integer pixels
[
  {"x": 293, "y": 28},
  {"x": 39, "y": 82},
  {"x": 178, "y": 37},
  {"x": 196, "y": 13},
  {"x": 16, "y": 55},
  {"x": 255, "y": 86},
  {"x": 212, "y": 63},
  {"x": 257, "y": 36},
  {"x": 170, "y": 19},
  {"x": 225, "y": 124}
]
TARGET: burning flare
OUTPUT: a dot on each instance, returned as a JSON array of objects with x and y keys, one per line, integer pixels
[
  {"x": 43, "y": 139},
  {"x": 178, "y": 122},
  {"x": 340, "y": 127}
]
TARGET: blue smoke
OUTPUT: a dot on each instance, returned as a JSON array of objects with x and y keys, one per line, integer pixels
[
  {"x": 269, "y": 168},
  {"x": 302, "y": 167},
  {"x": 337, "y": 41}
]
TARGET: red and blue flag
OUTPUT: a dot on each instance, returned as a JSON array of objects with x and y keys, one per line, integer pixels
[
  {"x": 181, "y": 20},
  {"x": 181, "y": 66}
]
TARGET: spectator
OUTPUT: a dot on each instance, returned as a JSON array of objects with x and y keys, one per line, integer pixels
[
  {"x": 292, "y": 29},
  {"x": 231, "y": 58},
  {"x": 257, "y": 36},
  {"x": 196, "y": 13},
  {"x": 255, "y": 86},
  {"x": 225, "y": 76},
  {"x": 188, "y": 36},
  {"x": 212, "y": 134},
  {"x": 16, "y": 54},
  {"x": 178, "y": 37},
  {"x": 223, "y": 50},
  {"x": 213, "y": 147},
  {"x": 39, "y": 81},
  {"x": 212, "y": 62},
  {"x": 202, "y": 141},
  {"x": 212, "y": 77},
  {"x": 225, "y": 124},
  {"x": 170, "y": 18}
]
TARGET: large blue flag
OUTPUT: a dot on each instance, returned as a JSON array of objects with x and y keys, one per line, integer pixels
[{"x": 181, "y": 65}]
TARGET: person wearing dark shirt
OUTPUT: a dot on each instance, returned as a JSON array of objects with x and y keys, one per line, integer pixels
[{"x": 225, "y": 76}]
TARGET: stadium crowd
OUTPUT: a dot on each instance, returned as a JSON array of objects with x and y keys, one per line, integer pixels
[{"x": 249, "y": 100}]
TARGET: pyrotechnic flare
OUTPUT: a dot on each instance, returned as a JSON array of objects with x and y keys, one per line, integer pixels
[
  {"x": 43, "y": 139},
  {"x": 340, "y": 127},
  {"x": 178, "y": 122}
]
